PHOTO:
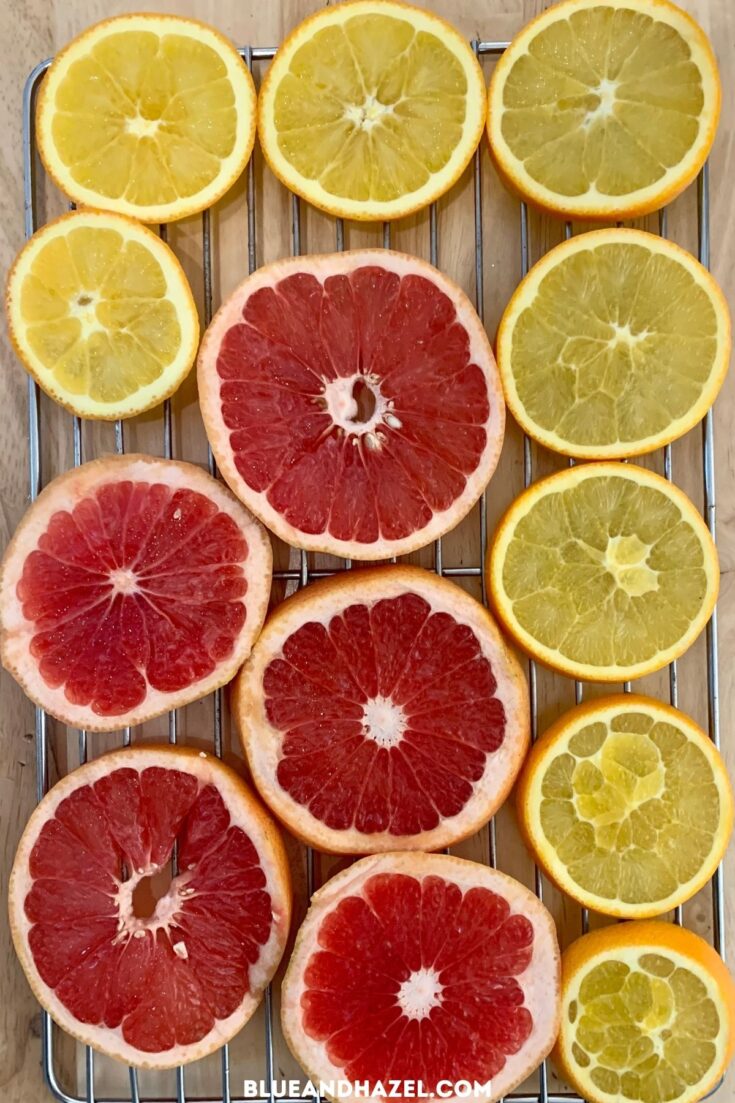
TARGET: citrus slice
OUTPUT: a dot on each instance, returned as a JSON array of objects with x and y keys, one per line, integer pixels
[
  {"x": 648, "y": 1015},
  {"x": 149, "y": 115},
  {"x": 131, "y": 586},
  {"x": 603, "y": 571},
  {"x": 614, "y": 344},
  {"x": 626, "y": 804},
  {"x": 604, "y": 109},
  {"x": 352, "y": 401},
  {"x": 422, "y": 967},
  {"x": 371, "y": 109},
  {"x": 154, "y": 969},
  {"x": 101, "y": 314},
  {"x": 380, "y": 710}
]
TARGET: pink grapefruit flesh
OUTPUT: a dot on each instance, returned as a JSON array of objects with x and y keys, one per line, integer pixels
[
  {"x": 171, "y": 984},
  {"x": 423, "y": 967},
  {"x": 132, "y": 586},
  {"x": 352, "y": 401},
  {"x": 381, "y": 709}
]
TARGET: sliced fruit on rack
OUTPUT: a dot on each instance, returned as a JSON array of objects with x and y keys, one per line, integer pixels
[
  {"x": 627, "y": 805},
  {"x": 352, "y": 401},
  {"x": 381, "y": 709},
  {"x": 372, "y": 110},
  {"x": 603, "y": 571},
  {"x": 648, "y": 1015},
  {"x": 148, "y": 963},
  {"x": 149, "y": 115},
  {"x": 614, "y": 344},
  {"x": 132, "y": 586},
  {"x": 101, "y": 314},
  {"x": 604, "y": 109},
  {"x": 423, "y": 967}
]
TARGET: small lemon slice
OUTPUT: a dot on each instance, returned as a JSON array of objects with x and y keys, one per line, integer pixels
[
  {"x": 604, "y": 109},
  {"x": 101, "y": 314},
  {"x": 371, "y": 109},
  {"x": 648, "y": 1015},
  {"x": 603, "y": 571},
  {"x": 149, "y": 115},
  {"x": 614, "y": 344},
  {"x": 626, "y": 804}
]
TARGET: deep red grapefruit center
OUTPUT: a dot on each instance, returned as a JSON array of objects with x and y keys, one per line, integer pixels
[
  {"x": 416, "y": 979},
  {"x": 139, "y": 585},
  {"x": 164, "y": 979},
  {"x": 388, "y": 714},
  {"x": 353, "y": 403}
]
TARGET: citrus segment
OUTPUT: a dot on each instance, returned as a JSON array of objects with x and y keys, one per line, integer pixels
[
  {"x": 352, "y": 401},
  {"x": 647, "y": 1015},
  {"x": 614, "y": 344},
  {"x": 626, "y": 804},
  {"x": 154, "y": 975},
  {"x": 604, "y": 108},
  {"x": 379, "y": 710},
  {"x": 131, "y": 586},
  {"x": 422, "y": 967},
  {"x": 101, "y": 315},
  {"x": 149, "y": 115},
  {"x": 603, "y": 571},
  {"x": 372, "y": 109}
]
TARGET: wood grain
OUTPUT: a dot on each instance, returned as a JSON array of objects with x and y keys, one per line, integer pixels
[{"x": 33, "y": 29}]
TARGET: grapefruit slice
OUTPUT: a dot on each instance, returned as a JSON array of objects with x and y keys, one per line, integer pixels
[
  {"x": 161, "y": 985},
  {"x": 352, "y": 401},
  {"x": 648, "y": 1015},
  {"x": 132, "y": 586},
  {"x": 423, "y": 967},
  {"x": 381, "y": 709}
]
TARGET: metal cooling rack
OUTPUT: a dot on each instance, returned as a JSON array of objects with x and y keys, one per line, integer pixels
[{"x": 303, "y": 573}]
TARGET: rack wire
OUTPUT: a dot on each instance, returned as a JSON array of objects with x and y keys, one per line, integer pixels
[{"x": 302, "y": 573}]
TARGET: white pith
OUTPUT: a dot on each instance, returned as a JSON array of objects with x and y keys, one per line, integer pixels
[
  {"x": 594, "y": 203},
  {"x": 64, "y": 494},
  {"x": 322, "y": 267},
  {"x": 244, "y": 812},
  {"x": 177, "y": 292},
  {"x": 263, "y": 742},
  {"x": 565, "y": 480},
  {"x": 540, "y": 981},
  {"x": 527, "y": 292},
  {"x": 383, "y": 721},
  {"x": 244, "y": 102},
  {"x": 420, "y": 994},
  {"x": 558, "y": 743}
]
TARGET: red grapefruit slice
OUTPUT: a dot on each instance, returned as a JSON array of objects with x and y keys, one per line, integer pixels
[
  {"x": 352, "y": 401},
  {"x": 132, "y": 586},
  {"x": 159, "y": 989},
  {"x": 423, "y": 967},
  {"x": 381, "y": 709}
]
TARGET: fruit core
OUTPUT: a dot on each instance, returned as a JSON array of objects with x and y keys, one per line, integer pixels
[
  {"x": 626, "y": 559},
  {"x": 356, "y": 406},
  {"x": 367, "y": 114},
  {"x": 383, "y": 721},
  {"x": 420, "y": 994}
]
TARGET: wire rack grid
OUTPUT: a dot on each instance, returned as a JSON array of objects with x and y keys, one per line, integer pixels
[{"x": 301, "y": 574}]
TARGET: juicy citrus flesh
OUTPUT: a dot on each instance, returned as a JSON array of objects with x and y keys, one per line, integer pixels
[
  {"x": 607, "y": 572},
  {"x": 147, "y": 114},
  {"x": 618, "y": 347},
  {"x": 606, "y": 102},
  {"x": 103, "y": 315},
  {"x": 373, "y": 107},
  {"x": 630, "y": 808},
  {"x": 645, "y": 1027}
]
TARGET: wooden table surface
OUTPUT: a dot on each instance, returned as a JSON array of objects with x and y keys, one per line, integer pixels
[{"x": 34, "y": 29}]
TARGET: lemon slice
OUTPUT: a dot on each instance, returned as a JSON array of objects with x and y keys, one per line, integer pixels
[
  {"x": 648, "y": 1015},
  {"x": 101, "y": 314},
  {"x": 614, "y": 344},
  {"x": 603, "y": 571},
  {"x": 626, "y": 804},
  {"x": 371, "y": 109},
  {"x": 604, "y": 109},
  {"x": 149, "y": 115}
]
